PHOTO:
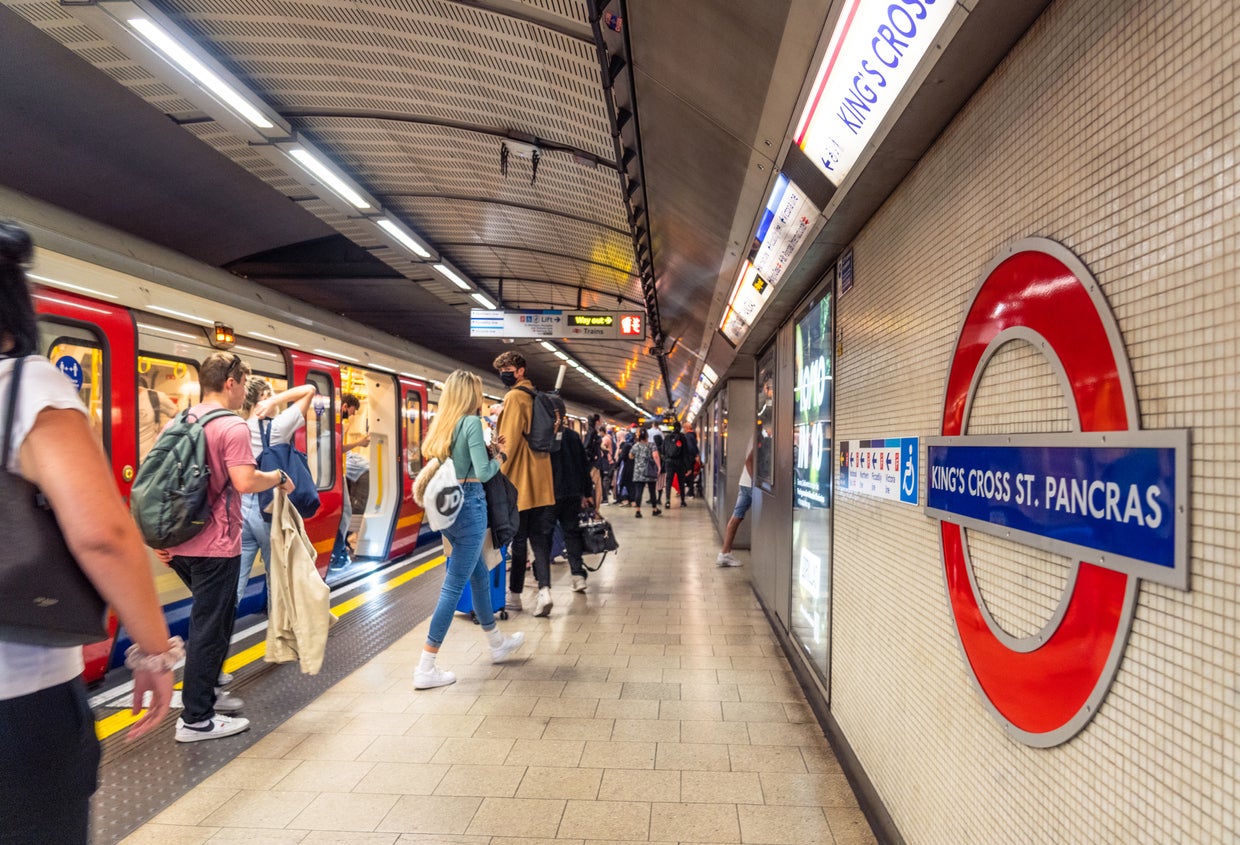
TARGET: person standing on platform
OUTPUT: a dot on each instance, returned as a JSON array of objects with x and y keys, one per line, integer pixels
[
  {"x": 259, "y": 408},
  {"x": 209, "y": 563},
  {"x": 49, "y": 754},
  {"x": 354, "y": 438},
  {"x": 593, "y": 445},
  {"x": 456, "y": 433},
  {"x": 674, "y": 451},
  {"x": 693, "y": 466},
  {"x": 744, "y": 499},
  {"x": 573, "y": 494},
  {"x": 624, "y": 471},
  {"x": 646, "y": 471},
  {"x": 530, "y": 473}
]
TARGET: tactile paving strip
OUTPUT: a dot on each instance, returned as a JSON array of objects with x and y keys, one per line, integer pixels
[{"x": 138, "y": 780}]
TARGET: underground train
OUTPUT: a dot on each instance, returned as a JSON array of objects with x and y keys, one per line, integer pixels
[{"x": 131, "y": 336}]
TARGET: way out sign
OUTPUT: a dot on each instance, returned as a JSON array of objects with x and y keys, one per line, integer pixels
[{"x": 1111, "y": 496}]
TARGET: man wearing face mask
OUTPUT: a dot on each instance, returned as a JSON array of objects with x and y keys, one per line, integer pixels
[{"x": 530, "y": 473}]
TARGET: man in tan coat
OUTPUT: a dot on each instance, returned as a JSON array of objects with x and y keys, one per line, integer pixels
[{"x": 530, "y": 473}]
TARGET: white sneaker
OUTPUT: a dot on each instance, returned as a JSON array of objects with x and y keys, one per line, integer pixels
[
  {"x": 543, "y": 608},
  {"x": 213, "y": 728},
  {"x": 513, "y": 602},
  {"x": 226, "y": 678},
  {"x": 434, "y": 677},
  {"x": 226, "y": 702},
  {"x": 511, "y": 643},
  {"x": 579, "y": 583},
  {"x": 726, "y": 559}
]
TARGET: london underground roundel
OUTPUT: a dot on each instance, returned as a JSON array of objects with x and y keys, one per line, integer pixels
[{"x": 1073, "y": 491}]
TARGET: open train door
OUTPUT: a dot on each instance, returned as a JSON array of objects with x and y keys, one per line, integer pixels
[
  {"x": 379, "y": 393},
  {"x": 320, "y": 440}
]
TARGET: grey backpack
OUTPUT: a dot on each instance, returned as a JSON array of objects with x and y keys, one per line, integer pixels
[{"x": 169, "y": 499}]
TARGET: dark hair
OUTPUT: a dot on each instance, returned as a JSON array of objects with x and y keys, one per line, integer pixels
[
  {"x": 509, "y": 359},
  {"x": 16, "y": 308},
  {"x": 348, "y": 400}
]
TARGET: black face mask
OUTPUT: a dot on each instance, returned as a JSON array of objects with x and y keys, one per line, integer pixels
[{"x": 509, "y": 379}]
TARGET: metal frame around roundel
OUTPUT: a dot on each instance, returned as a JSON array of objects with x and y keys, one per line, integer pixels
[{"x": 1045, "y": 694}]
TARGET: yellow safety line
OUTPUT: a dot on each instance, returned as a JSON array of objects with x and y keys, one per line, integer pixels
[{"x": 109, "y": 725}]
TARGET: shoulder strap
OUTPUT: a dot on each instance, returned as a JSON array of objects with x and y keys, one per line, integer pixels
[
  {"x": 18, "y": 363},
  {"x": 210, "y": 415},
  {"x": 264, "y": 431},
  {"x": 525, "y": 390}
]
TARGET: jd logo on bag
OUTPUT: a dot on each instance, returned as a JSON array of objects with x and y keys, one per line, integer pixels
[{"x": 447, "y": 502}]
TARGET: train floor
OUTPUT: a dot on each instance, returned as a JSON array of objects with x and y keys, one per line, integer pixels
[{"x": 657, "y": 706}]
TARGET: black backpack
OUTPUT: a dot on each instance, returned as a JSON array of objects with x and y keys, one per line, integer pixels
[
  {"x": 546, "y": 421},
  {"x": 169, "y": 498},
  {"x": 674, "y": 446},
  {"x": 286, "y": 456}
]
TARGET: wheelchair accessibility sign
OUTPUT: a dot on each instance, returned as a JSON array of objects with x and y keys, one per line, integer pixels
[
  {"x": 1111, "y": 497},
  {"x": 885, "y": 469}
]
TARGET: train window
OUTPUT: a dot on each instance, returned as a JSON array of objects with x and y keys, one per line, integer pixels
[
  {"x": 320, "y": 431},
  {"x": 166, "y": 386},
  {"x": 413, "y": 432},
  {"x": 78, "y": 352}
]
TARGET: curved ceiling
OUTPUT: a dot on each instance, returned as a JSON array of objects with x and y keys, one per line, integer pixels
[{"x": 568, "y": 154}]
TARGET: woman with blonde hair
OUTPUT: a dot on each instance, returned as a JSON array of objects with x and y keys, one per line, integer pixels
[{"x": 456, "y": 432}]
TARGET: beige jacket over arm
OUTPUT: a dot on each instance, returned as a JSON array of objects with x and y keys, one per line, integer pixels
[{"x": 299, "y": 611}]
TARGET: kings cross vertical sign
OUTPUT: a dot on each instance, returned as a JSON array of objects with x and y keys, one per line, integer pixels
[{"x": 1110, "y": 496}]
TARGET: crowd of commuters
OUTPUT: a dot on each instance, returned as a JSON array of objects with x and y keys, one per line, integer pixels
[{"x": 49, "y": 754}]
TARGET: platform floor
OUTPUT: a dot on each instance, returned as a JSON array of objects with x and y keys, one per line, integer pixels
[{"x": 656, "y": 707}]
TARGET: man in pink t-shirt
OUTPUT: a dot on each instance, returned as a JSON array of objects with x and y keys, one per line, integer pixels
[{"x": 209, "y": 562}]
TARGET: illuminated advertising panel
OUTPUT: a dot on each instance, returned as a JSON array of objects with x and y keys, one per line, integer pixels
[{"x": 873, "y": 53}]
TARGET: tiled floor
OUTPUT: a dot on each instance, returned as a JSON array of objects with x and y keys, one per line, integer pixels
[{"x": 656, "y": 707}]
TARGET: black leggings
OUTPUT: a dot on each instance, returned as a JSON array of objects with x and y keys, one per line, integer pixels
[{"x": 638, "y": 486}]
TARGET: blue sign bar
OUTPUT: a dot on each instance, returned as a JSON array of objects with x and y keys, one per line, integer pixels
[{"x": 1118, "y": 499}]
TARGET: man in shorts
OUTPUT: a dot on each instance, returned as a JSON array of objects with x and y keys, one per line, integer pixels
[{"x": 744, "y": 499}]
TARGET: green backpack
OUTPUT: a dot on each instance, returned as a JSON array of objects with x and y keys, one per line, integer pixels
[{"x": 169, "y": 499}]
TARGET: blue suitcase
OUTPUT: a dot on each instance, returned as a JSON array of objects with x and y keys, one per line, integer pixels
[{"x": 499, "y": 591}]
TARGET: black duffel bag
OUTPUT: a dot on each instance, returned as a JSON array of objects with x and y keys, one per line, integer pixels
[{"x": 596, "y": 537}]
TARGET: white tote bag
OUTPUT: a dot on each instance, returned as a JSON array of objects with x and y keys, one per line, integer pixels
[{"x": 443, "y": 497}]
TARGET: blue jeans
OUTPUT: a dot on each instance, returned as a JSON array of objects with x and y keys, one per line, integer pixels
[
  {"x": 255, "y": 537},
  {"x": 465, "y": 564}
]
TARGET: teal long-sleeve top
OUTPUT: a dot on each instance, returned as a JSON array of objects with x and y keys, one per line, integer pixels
[{"x": 469, "y": 451}]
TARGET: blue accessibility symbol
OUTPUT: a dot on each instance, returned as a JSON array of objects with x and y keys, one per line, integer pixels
[{"x": 908, "y": 477}]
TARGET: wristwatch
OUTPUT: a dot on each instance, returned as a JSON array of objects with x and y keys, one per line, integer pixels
[{"x": 283, "y": 478}]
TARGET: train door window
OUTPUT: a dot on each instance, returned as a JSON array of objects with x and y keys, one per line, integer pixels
[
  {"x": 320, "y": 431},
  {"x": 166, "y": 386},
  {"x": 412, "y": 424},
  {"x": 78, "y": 352}
]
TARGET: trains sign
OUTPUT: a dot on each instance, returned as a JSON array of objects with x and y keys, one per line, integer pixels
[{"x": 1111, "y": 497}]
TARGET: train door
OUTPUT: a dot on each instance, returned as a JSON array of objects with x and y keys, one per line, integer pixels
[
  {"x": 381, "y": 411},
  {"x": 319, "y": 440},
  {"x": 413, "y": 415},
  {"x": 89, "y": 341}
]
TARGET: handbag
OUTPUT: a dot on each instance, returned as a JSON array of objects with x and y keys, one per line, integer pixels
[
  {"x": 596, "y": 537},
  {"x": 439, "y": 493},
  {"x": 45, "y": 598}
]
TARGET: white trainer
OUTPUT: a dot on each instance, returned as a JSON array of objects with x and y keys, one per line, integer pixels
[
  {"x": 214, "y": 728},
  {"x": 433, "y": 677},
  {"x": 226, "y": 702},
  {"x": 543, "y": 608},
  {"x": 579, "y": 583},
  {"x": 510, "y": 644},
  {"x": 225, "y": 679},
  {"x": 513, "y": 602},
  {"x": 726, "y": 559}
]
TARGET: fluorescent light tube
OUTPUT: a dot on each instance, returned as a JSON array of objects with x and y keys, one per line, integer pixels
[
  {"x": 447, "y": 273},
  {"x": 320, "y": 171},
  {"x": 204, "y": 76},
  {"x": 550, "y": 347},
  {"x": 400, "y": 235},
  {"x": 483, "y": 301}
]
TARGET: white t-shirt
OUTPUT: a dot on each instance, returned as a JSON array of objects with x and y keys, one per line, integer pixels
[
  {"x": 29, "y": 668},
  {"x": 746, "y": 479},
  {"x": 283, "y": 426}
]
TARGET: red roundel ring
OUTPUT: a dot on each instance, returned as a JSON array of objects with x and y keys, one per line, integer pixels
[{"x": 1046, "y": 693}]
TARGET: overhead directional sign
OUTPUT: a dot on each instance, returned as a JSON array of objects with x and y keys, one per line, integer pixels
[{"x": 575, "y": 325}]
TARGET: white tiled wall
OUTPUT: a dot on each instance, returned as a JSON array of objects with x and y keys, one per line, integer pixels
[{"x": 1112, "y": 129}]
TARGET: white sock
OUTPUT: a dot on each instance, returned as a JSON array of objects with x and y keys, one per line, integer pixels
[
  {"x": 495, "y": 637},
  {"x": 427, "y": 663}
]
